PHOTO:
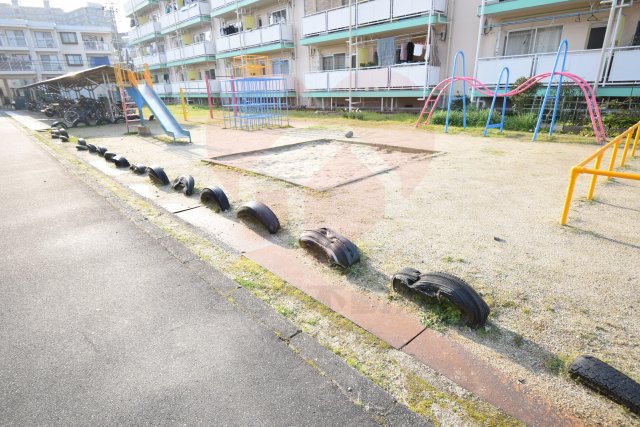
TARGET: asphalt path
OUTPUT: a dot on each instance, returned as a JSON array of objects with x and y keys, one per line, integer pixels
[{"x": 100, "y": 324}]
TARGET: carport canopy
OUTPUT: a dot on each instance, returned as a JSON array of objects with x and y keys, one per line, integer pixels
[{"x": 88, "y": 79}]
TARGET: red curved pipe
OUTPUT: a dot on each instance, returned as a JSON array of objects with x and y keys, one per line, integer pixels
[{"x": 587, "y": 92}]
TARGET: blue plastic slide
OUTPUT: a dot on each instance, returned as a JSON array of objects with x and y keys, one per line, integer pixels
[{"x": 162, "y": 114}]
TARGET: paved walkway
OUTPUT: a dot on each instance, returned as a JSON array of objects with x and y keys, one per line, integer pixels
[{"x": 99, "y": 324}]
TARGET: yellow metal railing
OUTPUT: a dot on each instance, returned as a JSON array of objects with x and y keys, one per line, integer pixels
[{"x": 581, "y": 168}]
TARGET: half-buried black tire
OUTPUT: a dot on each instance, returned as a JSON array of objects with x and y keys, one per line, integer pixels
[{"x": 608, "y": 381}]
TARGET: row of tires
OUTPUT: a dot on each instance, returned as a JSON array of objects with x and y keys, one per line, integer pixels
[{"x": 341, "y": 252}]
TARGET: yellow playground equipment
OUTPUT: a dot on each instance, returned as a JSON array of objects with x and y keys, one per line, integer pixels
[
  {"x": 630, "y": 142},
  {"x": 251, "y": 66}
]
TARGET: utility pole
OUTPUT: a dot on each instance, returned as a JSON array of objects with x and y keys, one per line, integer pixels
[
  {"x": 475, "y": 66},
  {"x": 350, "y": 54},
  {"x": 427, "y": 53},
  {"x": 110, "y": 10},
  {"x": 605, "y": 45}
]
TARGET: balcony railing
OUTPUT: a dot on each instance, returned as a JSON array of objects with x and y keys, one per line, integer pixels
[
  {"x": 186, "y": 13},
  {"x": 52, "y": 66},
  {"x": 256, "y": 37},
  {"x": 190, "y": 51},
  {"x": 192, "y": 87},
  {"x": 46, "y": 44},
  {"x": 151, "y": 60},
  {"x": 583, "y": 63},
  {"x": 144, "y": 30},
  {"x": 17, "y": 66},
  {"x": 13, "y": 42},
  {"x": 217, "y": 4},
  {"x": 367, "y": 13},
  {"x": 131, "y": 6},
  {"x": 95, "y": 45},
  {"x": 400, "y": 76}
]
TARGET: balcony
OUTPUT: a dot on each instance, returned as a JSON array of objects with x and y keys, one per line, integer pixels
[
  {"x": 187, "y": 54},
  {"x": 46, "y": 44},
  {"x": 52, "y": 67},
  {"x": 151, "y": 60},
  {"x": 371, "y": 12},
  {"x": 583, "y": 63},
  {"x": 277, "y": 33},
  {"x": 17, "y": 67},
  {"x": 144, "y": 32},
  {"x": 497, "y": 7},
  {"x": 400, "y": 76},
  {"x": 188, "y": 15},
  {"x": 13, "y": 43},
  {"x": 130, "y": 6},
  {"x": 96, "y": 46},
  {"x": 222, "y": 7}
]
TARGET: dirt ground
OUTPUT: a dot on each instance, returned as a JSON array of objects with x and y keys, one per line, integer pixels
[{"x": 484, "y": 209}]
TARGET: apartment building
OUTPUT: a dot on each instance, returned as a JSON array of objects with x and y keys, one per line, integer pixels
[
  {"x": 399, "y": 48},
  {"x": 603, "y": 38},
  {"x": 37, "y": 43}
]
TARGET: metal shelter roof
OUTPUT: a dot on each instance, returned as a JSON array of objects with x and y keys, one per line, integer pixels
[{"x": 85, "y": 79}]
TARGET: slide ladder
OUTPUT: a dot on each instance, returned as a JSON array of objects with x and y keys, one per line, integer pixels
[
  {"x": 139, "y": 91},
  {"x": 130, "y": 108}
]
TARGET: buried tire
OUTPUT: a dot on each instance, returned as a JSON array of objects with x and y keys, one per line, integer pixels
[
  {"x": 157, "y": 175},
  {"x": 138, "y": 168},
  {"x": 440, "y": 285},
  {"x": 261, "y": 213},
  {"x": 184, "y": 183},
  {"x": 608, "y": 381},
  {"x": 338, "y": 249},
  {"x": 215, "y": 195},
  {"x": 120, "y": 162}
]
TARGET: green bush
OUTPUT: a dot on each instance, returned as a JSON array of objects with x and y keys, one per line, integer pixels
[
  {"x": 478, "y": 118},
  {"x": 521, "y": 122},
  {"x": 475, "y": 118},
  {"x": 617, "y": 121},
  {"x": 522, "y": 100}
]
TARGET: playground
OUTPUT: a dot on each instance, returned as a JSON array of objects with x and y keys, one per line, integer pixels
[{"x": 486, "y": 207}]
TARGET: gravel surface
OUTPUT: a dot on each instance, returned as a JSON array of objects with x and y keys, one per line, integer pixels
[{"x": 486, "y": 210}]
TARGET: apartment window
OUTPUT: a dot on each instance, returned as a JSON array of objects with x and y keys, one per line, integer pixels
[
  {"x": 202, "y": 37},
  {"x": 50, "y": 63},
  {"x": 280, "y": 66},
  {"x": 536, "y": 40},
  {"x": 278, "y": 17},
  {"x": 327, "y": 63},
  {"x": 74, "y": 59},
  {"x": 596, "y": 37},
  {"x": 334, "y": 62},
  {"x": 68, "y": 38},
  {"x": 95, "y": 61}
]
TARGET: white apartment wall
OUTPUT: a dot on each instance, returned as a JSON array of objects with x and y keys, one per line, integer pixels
[{"x": 576, "y": 32}]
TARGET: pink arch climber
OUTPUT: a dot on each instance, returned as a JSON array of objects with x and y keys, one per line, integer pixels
[{"x": 587, "y": 91}]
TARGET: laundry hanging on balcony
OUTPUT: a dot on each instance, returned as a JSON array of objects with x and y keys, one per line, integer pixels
[{"x": 386, "y": 51}]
